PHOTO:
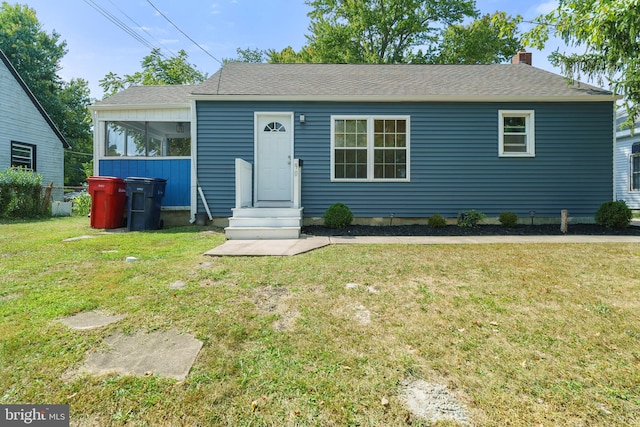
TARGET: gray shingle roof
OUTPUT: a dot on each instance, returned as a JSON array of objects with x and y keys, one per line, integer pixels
[
  {"x": 149, "y": 95},
  {"x": 500, "y": 80},
  {"x": 459, "y": 82}
]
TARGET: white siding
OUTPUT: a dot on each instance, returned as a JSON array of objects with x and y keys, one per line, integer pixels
[
  {"x": 624, "y": 140},
  {"x": 21, "y": 121}
]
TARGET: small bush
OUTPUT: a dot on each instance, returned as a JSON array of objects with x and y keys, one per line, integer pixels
[
  {"x": 470, "y": 218},
  {"x": 437, "y": 221},
  {"x": 21, "y": 194},
  {"x": 81, "y": 205},
  {"x": 508, "y": 219},
  {"x": 337, "y": 216},
  {"x": 613, "y": 214}
]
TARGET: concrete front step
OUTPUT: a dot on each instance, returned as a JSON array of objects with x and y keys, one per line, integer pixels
[
  {"x": 262, "y": 233},
  {"x": 265, "y": 222},
  {"x": 267, "y": 213}
]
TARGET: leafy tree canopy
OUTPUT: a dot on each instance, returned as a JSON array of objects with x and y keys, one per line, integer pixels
[
  {"x": 77, "y": 125},
  {"x": 490, "y": 39},
  {"x": 399, "y": 31},
  {"x": 379, "y": 31},
  {"x": 156, "y": 70},
  {"x": 247, "y": 55},
  {"x": 36, "y": 56},
  {"x": 609, "y": 32}
]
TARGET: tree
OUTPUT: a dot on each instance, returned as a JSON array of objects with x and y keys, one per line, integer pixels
[
  {"x": 247, "y": 55},
  {"x": 76, "y": 126},
  {"x": 156, "y": 70},
  {"x": 379, "y": 31},
  {"x": 36, "y": 56},
  {"x": 491, "y": 39},
  {"x": 288, "y": 55},
  {"x": 609, "y": 32}
]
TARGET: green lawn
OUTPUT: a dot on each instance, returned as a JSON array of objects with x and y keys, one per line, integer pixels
[{"x": 523, "y": 335}]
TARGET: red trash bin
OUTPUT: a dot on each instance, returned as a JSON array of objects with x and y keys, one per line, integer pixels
[{"x": 108, "y": 197}]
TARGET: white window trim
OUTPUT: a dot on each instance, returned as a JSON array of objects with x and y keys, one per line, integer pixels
[
  {"x": 32, "y": 151},
  {"x": 529, "y": 115},
  {"x": 631, "y": 157},
  {"x": 370, "y": 147},
  {"x": 101, "y": 153}
]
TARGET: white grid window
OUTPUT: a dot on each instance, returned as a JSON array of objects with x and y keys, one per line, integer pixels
[
  {"x": 516, "y": 133},
  {"x": 369, "y": 148}
]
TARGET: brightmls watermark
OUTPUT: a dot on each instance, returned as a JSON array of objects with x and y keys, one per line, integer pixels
[{"x": 34, "y": 415}]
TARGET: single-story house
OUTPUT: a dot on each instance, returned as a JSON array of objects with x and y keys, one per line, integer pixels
[
  {"x": 28, "y": 137},
  {"x": 272, "y": 146},
  {"x": 627, "y": 161}
]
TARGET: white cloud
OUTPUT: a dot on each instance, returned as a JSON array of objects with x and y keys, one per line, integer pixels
[{"x": 215, "y": 9}]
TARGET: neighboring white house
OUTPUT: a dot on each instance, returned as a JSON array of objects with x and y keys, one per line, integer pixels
[
  {"x": 627, "y": 160},
  {"x": 28, "y": 137}
]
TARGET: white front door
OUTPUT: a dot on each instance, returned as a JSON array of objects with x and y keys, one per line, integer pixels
[{"x": 273, "y": 159}]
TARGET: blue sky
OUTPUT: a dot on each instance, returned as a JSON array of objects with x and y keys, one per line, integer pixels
[{"x": 97, "y": 46}]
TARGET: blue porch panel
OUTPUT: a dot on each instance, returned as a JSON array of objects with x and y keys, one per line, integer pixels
[
  {"x": 177, "y": 172},
  {"x": 454, "y": 158}
]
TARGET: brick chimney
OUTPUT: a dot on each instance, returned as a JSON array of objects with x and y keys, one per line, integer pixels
[{"x": 522, "y": 57}]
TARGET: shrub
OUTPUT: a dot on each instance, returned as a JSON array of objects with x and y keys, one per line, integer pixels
[
  {"x": 337, "y": 215},
  {"x": 437, "y": 221},
  {"x": 613, "y": 214},
  {"x": 81, "y": 205},
  {"x": 21, "y": 194},
  {"x": 470, "y": 218},
  {"x": 508, "y": 219}
]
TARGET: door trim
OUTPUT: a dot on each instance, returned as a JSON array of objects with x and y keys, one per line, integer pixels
[{"x": 256, "y": 160}]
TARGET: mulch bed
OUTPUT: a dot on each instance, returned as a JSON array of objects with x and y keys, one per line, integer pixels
[{"x": 480, "y": 230}]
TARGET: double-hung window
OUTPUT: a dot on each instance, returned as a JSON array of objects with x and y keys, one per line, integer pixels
[
  {"x": 516, "y": 133},
  {"x": 370, "y": 148},
  {"x": 634, "y": 167},
  {"x": 23, "y": 155}
]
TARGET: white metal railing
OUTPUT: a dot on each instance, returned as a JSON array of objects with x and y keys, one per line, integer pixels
[
  {"x": 297, "y": 183},
  {"x": 244, "y": 184}
]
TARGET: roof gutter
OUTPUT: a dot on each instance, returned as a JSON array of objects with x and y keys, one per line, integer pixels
[
  {"x": 113, "y": 107},
  {"x": 406, "y": 98}
]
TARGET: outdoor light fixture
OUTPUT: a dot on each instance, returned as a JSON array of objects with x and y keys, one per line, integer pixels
[
  {"x": 179, "y": 127},
  {"x": 301, "y": 118}
]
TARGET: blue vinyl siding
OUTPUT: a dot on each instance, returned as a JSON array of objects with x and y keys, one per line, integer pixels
[
  {"x": 177, "y": 172},
  {"x": 454, "y": 158}
]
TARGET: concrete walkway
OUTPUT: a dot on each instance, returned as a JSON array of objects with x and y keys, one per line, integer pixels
[{"x": 308, "y": 243}]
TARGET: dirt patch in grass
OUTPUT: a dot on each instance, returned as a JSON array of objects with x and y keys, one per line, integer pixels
[
  {"x": 432, "y": 402},
  {"x": 274, "y": 300}
]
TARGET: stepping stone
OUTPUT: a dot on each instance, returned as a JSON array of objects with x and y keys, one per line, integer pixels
[
  {"x": 164, "y": 353},
  {"x": 73, "y": 239},
  {"x": 90, "y": 320},
  {"x": 178, "y": 284}
]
